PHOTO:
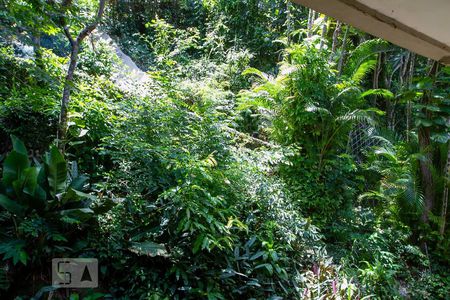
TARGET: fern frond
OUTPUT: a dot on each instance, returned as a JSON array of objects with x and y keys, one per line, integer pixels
[
  {"x": 260, "y": 99},
  {"x": 272, "y": 88},
  {"x": 256, "y": 72}
]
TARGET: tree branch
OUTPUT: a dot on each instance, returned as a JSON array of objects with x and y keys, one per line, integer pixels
[
  {"x": 89, "y": 28},
  {"x": 69, "y": 35}
]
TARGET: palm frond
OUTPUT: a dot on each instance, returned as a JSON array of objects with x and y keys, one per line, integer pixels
[
  {"x": 412, "y": 194},
  {"x": 362, "y": 71},
  {"x": 386, "y": 152},
  {"x": 367, "y": 50},
  {"x": 377, "y": 92},
  {"x": 357, "y": 115},
  {"x": 345, "y": 91},
  {"x": 318, "y": 109},
  {"x": 382, "y": 140}
]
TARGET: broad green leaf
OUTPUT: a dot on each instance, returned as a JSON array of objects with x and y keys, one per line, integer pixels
[
  {"x": 79, "y": 182},
  {"x": 76, "y": 215},
  {"x": 11, "y": 206},
  {"x": 424, "y": 123},
  {"x": 441, "y": 137},
  {"x": 30, "y": 176},
  {"x": 13, "y": 167},
  {"x": 73, "y": 195},
  {"x": 40, "y": 198},
  {"x": 56, "y": 171},
  {"x": 18, "y": 145}
]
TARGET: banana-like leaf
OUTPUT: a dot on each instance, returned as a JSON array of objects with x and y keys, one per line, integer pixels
[
  {"x": 11, "y": 206},
  {"x": 73, "y": 195},
  {"x": 30, "y": 176},
  {"x": 40, "y": 197},
  {"x": 76, "y": 215},
  {"x": 25, "y": 187},
  {"x": 30, "y": 187},
  {"x": 56, "y": 171},
  {"x": 13, "y": 167},
  {"x": 79, "y": 182},
  {"x": 18, "y": 145}
]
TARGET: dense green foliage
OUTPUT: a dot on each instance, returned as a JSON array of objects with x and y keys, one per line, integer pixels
[{"x": 268, "y": 154}]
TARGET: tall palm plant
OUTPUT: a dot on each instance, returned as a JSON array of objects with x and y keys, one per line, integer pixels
[{"x": 312, "y": 106}]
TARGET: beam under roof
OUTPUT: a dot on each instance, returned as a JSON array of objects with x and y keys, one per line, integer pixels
[{"x": 422, "y": 26}]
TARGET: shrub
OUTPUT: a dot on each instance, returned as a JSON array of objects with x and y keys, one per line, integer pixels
[{"x": 44, "y": 212}]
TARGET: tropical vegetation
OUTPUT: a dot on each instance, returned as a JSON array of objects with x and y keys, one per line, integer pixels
[{"x": 226, "y": 149}]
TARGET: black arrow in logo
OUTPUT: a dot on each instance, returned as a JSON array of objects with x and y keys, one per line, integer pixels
[{"x": 86, "y": 275}]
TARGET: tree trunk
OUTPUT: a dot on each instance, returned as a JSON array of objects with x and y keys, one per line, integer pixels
[
  {"x": 289, "y": 22},
  {"x": 36, "y": 40},
  {"x": 68, "y": 84},
  {"x": 410, "y": 76},
  {"x": 386, "y": 84},
  {"x": 404, "y": 69},
  {"x": 376, "y": 74},
  {"x": 311, "y": 19},
  {"x": 324, "y": 32},
  {"x": 336, "y": 33},
  {"x": 445, "y": 193},
  {"x": 425, "y": 145},
  {"x": 425, "y": 172},
  {"x": 343, "y": 51}
]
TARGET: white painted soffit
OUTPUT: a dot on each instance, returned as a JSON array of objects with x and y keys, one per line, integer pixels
[{"x": 422, "y": 26}]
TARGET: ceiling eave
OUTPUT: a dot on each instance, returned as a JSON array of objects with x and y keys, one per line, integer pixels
[{"x": 377, "y": 23}]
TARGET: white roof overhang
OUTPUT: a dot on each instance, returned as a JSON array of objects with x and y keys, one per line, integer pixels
[{"x": 422, "y": 26}]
